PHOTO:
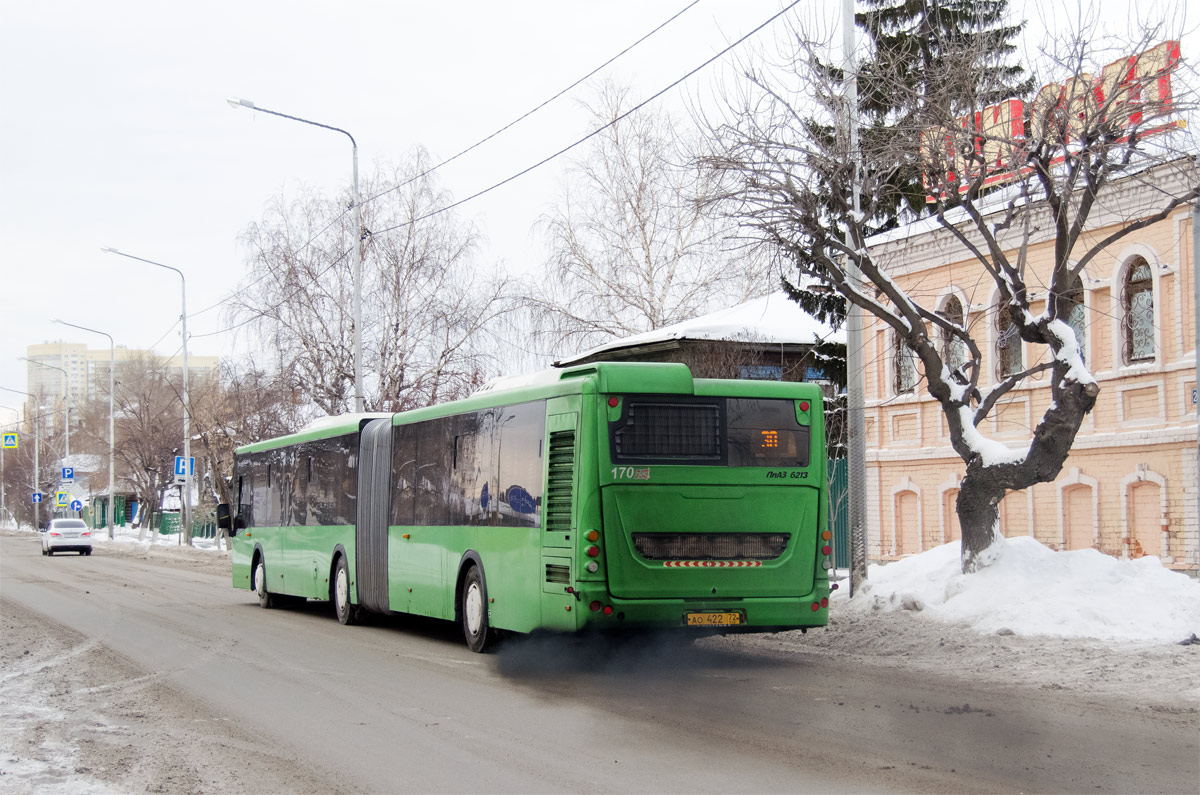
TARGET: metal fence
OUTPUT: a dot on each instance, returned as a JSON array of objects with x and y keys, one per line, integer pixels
[{"x": 839, "y": 511}]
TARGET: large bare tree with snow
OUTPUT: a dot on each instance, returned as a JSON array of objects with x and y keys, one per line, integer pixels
[{"x": 999, "y": 178}]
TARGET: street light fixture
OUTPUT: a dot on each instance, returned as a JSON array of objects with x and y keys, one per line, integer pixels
[
  {"x": 235, "y": 102},
  {"x": 112, "y": 438},
  {"x": 37, "y": 506},
  {"x": 186, "y": 499},
  {"x": 66, "y": 396}
]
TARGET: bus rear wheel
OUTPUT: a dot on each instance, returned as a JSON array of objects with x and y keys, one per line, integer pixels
[
  {"x": 265, "y": 598},
  {"x": 473, "y": 611},
  {"x": 346, "y": 613}
]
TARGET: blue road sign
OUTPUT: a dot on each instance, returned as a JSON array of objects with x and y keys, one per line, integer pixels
[
  {"x": 191, "y": 466},
  {"x": 10, "y": 439},
  {"x": 76, "y": 506},
  {"x": 63, "y": 500},
  {"x": 37, "y": 497},
  {"x": 68, "y": 473}
]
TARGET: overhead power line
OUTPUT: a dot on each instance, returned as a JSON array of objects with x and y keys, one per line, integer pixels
[
  {"x": 536, "y": 165},
  {"x": 593, "y": 133},
  {"x": 470, "y": 148},
  {"x": 529, "y": 113}
]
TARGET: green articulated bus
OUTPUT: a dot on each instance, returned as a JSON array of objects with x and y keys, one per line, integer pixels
[{"x": 607, "y": 496}]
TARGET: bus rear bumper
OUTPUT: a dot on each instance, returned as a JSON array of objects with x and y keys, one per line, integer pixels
[{"x": 755, "y": 615}]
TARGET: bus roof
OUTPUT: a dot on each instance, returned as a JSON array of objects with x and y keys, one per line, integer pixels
[{"x": 599, "y": 377}]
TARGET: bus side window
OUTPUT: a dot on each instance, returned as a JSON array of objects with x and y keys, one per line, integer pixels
[
  {"x": 404, "y": 456},
  {"x": 245, "y": 508},
  {"x": 520, "y": 432},
  {"x": 298, "y": 496}
]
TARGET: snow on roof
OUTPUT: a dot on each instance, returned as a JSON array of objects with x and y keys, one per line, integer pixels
[
  {"x": 1032, "y": 590},
  {"x": 320, "y": 423},
  {"x": 773, "y": 319},
  {"x": 505, "y": 382}
]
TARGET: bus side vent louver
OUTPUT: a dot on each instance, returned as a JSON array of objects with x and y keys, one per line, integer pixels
[
  {"x": 558, "y": 573},
  {"x": 560, "y": 481}
]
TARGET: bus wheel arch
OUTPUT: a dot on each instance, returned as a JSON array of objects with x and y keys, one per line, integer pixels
[
  {"x": 258, "y": 578},
  {"x": 471, "y": 602},
  {"x": 339, "y": 588}
]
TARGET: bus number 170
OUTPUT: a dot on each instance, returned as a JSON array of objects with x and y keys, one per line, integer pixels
[{"x": 630, "y": 473}]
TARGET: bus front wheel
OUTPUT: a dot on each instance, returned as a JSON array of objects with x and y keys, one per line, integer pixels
[
  {"x": 346, "y": 612},
  {"x": 265, "y": 598},
  {"x": 473, "y": 611}
]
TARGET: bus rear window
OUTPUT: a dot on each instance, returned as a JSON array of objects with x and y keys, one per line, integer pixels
[
  {"x": 663, "y": 429},
  {"x": 736, "y": 432}
]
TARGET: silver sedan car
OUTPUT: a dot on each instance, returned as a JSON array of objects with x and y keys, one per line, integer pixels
[{"x": 67, "y": 535}]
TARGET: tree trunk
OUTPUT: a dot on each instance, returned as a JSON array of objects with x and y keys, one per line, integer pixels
[{"x": 978, "y": 507}]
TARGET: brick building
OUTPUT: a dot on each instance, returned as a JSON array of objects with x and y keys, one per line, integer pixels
[{"x": 1129, "y": 486}]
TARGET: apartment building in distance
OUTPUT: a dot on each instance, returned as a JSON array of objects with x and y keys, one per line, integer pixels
[{"x": 62, "y": 374}]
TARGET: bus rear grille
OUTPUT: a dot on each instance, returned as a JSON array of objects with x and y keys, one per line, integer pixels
[
  {"x": 710, "y": 546},
  {"x": 558, "y": 573}
]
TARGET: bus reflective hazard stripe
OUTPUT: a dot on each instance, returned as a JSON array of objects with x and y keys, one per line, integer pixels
[{"x": 711, "y": 564}]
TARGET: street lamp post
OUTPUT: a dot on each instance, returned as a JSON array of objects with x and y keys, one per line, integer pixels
[
  {"x": 66, "y": 398},
  {"x": 186, "y": 498},
  {"x": 37, "y": 506},
  {"x": 112, "y": 438},
  {"x": 358, "y": 243}
]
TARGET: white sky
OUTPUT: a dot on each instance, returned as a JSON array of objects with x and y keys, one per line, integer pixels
[{"x": 117, "y": 132}]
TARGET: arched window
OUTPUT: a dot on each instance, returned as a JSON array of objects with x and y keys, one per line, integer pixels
[
  {"x": 954, "y": 350},
  {"x": 905, "y": 379},
  {"x": 1138, "y": 320},
  {"x": 1008, "y": 344},
  {"x": 1074, "y": 314}
]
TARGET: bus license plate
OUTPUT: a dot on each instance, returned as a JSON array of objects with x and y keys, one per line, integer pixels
[{"x": 712, "y": 619}]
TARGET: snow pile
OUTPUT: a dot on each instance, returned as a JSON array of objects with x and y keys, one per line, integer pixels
[{"x": 1033, "y": 590}]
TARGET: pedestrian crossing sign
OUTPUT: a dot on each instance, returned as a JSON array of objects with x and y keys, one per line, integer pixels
[
  {"x": 10, "y": 441},
  {"x": 64, "y": 499}
]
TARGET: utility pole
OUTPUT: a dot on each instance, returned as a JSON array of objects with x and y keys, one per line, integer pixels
[{"x": 856, "y": 443}]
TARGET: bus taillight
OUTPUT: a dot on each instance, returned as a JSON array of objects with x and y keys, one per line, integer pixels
[
  {"x": 595, "y": 607},
  {"x": 593, "y": 551}
]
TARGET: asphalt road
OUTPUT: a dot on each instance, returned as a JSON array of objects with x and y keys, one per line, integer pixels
[{"x": 402, "y": 706}]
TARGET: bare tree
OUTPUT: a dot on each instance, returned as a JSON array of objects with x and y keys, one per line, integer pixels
[
  {"x": 147, "y": 407},
  {"x": 244, "y": 404},
  {"x": 999, "y": 178},
  {"x": 424, "y": 299},
  {"x": 633, "y": 245}
]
